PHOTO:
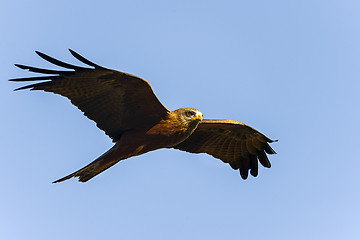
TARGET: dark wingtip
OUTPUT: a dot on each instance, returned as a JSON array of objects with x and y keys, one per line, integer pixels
[
  {"x": 269, "y": 149},
  {"x": 42, "y": 55},
  {"x": 84, "y": 60},
  {"x": 244, "y": 173},
  {"x": 21, "y": 88},
  {"x": 73, "y": 52},
  {"x": 270, "y": 140},
  {"x": 21, "y": 66},
  {"x": 31, "y": 87},
  {"x": 59, "y": 63},
  {"x": 254, "y": 172},
  {"x": 74, "y": 175},
  {"x": 263, "y": 159},
  {"x": 63, "y": 179}
]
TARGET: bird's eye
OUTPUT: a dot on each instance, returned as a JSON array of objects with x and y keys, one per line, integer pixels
[{"x": 189, "y": 114}]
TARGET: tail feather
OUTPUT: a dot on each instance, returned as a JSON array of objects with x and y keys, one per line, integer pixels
[{"x": 99, "y": 165}]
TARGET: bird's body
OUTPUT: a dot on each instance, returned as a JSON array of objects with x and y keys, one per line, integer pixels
[
  {"x": 158, "y": 136},
  {"x": 125, "y": 107}
]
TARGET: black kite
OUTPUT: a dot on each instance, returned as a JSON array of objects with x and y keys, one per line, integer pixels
[{"x": 125, "y": 107}]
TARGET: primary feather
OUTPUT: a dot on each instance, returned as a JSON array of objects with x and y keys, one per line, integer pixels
[{"x": 231, "y": 141}]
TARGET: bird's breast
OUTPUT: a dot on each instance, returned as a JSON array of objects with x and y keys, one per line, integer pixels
[{"x": 168, "y": 132}]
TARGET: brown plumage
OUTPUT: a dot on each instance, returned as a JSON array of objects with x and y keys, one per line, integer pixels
[
  {"x": 125, "y": 107},
  {"x": 231, "y": 141}
]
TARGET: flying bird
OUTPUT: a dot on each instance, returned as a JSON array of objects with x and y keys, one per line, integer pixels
[{"x": 127, "y": 110}]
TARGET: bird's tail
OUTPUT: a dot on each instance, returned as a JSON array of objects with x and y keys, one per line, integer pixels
[{"x": 99, "y": 165}]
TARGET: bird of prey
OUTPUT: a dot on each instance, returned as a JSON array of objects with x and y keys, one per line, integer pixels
[{"x": 127, "y": 110}]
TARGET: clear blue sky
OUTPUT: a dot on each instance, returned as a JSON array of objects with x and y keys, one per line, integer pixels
[{"x": 291, "y": 69}]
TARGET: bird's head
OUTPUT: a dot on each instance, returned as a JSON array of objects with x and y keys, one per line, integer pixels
[
  {"x": 189, "y": 118},
  {"x": 190, "y": 115}
]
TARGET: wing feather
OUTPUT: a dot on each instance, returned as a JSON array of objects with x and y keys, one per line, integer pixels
[
  {"x": 236, "y": 152},
  {"x": 250, "y": 147},
  {"x": 244, "y": 167},
  {"x": 253, "y": 165},
  {"x": 244, "y": 151},
  {"x": 231, "y": 141},
  {"x": 229, "y": 149},
  {"x": 116, "y": 101},
  {"x": 59, "y": 63},
  {"x": 263, "y": 159}
]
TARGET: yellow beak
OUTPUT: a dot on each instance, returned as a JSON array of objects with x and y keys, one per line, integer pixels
[{"x": 198, "y": 116}]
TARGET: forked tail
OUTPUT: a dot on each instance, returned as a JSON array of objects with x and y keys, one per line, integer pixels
[{"x": 99, "y": 165}]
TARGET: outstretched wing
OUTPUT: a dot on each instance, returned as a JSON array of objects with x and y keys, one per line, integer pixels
[
  {"x": 231, "y": 141},
  {"x": 116, "y": 101}
]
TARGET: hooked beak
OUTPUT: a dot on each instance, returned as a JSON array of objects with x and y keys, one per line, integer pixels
[{"x": 198, "y": 116}]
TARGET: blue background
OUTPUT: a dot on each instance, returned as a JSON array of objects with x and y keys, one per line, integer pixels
[{"x": 288, "y": 68}]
